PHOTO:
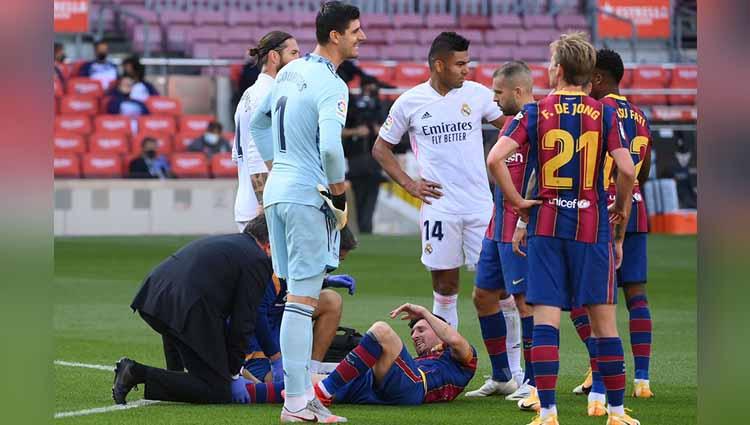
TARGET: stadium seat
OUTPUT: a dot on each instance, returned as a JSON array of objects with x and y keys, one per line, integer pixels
[
  {"x": 84, "y": 86},
  {"x": 210, "y": 17},
  {"x": 164, "y": 105},
  {"x": 243, "y": 18},
  {"x": 508, "y": 37},
  {"x": 189, "y": 164},
  {"x": 305, "y": 19},
  {"x": 229, "y": 135},
  {"x": 649, "y": 77},
  {"x": 370, "y": 52},
  {"x": 540, "y": 75},
  {"x": 506, "y": 21},
  {"x": 202, "y": 50},
  {"x": 409, "y": 74},
  {"x": 163, "y": 142},
  {"x": 157, "y": 124},
  {"x": 683, "y": 77},
  {"x": 408, "y": 21},
  {"x": 223, "y": 166},
  {"x": 245, "y": 35},
  {"x": 113, "y": 124},
  {"x": 102, "y": 165},
  {"x": 77, "y": 104},
  {"x": 76, "y": 123},
  {"x": 440, "y": 20},
  {"x": 194, "y": 124},
  {"x": 182, "y": 141},
  {"x": 381, "y": 72},
  {"x": 474, "y": 21},
  {"x": 276, "y": 19},
  {"x": 172, "y": 16},
  {"x": 178, "y": 37},
  {"x": 66, "y": 164},
  {"x": 205, "y": 33},
  {"x": 68, "y": 142},
  {"x": 404, "y": 35},
  {"x": 566, "y": 22},
  {"x": 109, "y": 143},
  {"x": 379, "y": 20},
  {"x": 538, "y": 37},
  {"x": 483, "y": 74},
  {"x": 58, "y": 87},
  {"x": 627, "y": 78},
  {"x": 494, "y": 54},
  {"x": 538, "y": 53},
  {"x": 404, "y": 52},
  {"x": 538, "y": 21},
  {"x": 426, "y": 36},
  {"x": 139, "y": 40},
  {"x": 473, "y": 35}
]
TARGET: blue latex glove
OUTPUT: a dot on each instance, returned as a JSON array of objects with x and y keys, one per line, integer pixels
[
  {"x": 342, "y": 281},
  {"x": 277, "y": 370},
  {"x": 239, "y": 391}
]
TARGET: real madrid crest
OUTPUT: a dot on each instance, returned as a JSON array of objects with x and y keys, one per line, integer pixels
[
  {"x": 465, "y": 110},
  {"x": 428, "y": 249}
]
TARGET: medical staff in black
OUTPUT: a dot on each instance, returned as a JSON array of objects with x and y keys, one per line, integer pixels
[{"x": 203, "y": 301}]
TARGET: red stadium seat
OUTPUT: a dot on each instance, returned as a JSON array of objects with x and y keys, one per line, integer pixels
[
  {"x": 66, "y": 164},
  {"x": 649, "y": 77},
  {"x": 182, "y": 140},
  {"x": 195, "y": 124},
  {"x": 223, "y": 166},
  {"x": 102, "y": 165},
  {"x": 540, "y": 75},
  {"x": 409, "y": 74},
  {"x": 229, "y": 135},
  {"x": 163, "y": 142},
  {"x": 157, "y": 124},
  {"x": 67, "y": 142},
  {"x": 627, "y": 78},
  {"x": 113, "y": 124},
  {"x": 77, "y": 104},
  {"x": 474, "y": 21},
  {"x": 164, "y": 105},
  {"x": 381, "y": 72},
  {"x": 76, "y": 123},
  {"x": 109, "y": 143},
  {"x": 85, "y": 87},
  {"x": 57, "y": 85},
  {"x": 189, "y": 164},
  {"x": 484, "y": 73},
  {"x": 684, "y": 77}
]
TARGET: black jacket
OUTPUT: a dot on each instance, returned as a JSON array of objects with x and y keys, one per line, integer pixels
[{"x": 197, "y": 289}]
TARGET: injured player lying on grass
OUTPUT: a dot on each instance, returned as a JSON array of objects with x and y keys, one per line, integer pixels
[{"x": 380, "y": 370}]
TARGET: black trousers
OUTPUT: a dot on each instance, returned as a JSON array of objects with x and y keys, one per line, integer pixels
[
  {"x": 366, "y": 189},
  {"x": 199, "y": 384}
]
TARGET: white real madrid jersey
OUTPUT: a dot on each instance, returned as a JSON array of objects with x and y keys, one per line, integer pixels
[{"x": 446, "y": 137}]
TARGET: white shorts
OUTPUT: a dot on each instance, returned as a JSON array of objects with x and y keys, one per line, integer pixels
[{"x": 450, "y": 241}]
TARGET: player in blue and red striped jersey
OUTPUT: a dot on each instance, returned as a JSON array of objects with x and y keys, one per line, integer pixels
[
  {"x": 631, "y": 276},
  {"x": 500, "y": 285},
  {"x": 571, "y": 260},
  {"x": 381, "y": 371}
]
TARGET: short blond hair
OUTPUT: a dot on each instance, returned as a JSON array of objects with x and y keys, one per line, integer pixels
[{"x": 576, "y": 55}]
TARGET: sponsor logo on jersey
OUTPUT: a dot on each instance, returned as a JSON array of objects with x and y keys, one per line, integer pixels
[
  {"x": 426, "y": 115},
  {"x": 637, "y": 197},
  {"x": 341, "y": 108},
  {"x": 448, "y": 132},
  {"x": 388, "y": 123},
  {"x": 516, "y": 158},
  {"x": 465, "y": 109},
  {"x": 428, "y": 249},
  {"x": 519, "y": 115},
  {"x": 581, "y": 204}
]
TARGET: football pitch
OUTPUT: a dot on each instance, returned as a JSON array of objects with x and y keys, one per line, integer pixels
[{"x": 96, "y": 278}]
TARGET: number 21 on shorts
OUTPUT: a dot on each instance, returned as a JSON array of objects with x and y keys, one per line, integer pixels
[{"x": 437, "y": 230}]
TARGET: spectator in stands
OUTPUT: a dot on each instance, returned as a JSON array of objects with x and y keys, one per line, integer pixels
[
  {"x": 150, "y": 165},
  {"x": 121, "y": 102},
  {"x": 211, "y": 142},
  {"x": 100, "y": 69},
  {"x": 362, "y": 122},
  {"x": 61, "y": 68},
  {"x": 142, "y": 89}
]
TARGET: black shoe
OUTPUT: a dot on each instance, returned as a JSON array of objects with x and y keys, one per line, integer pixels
[{"x": 124, "y": 380}]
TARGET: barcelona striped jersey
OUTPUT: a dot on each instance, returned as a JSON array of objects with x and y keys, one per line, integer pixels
[
  {"x": 568, "y": 135},
  {"x": 445, "y": 377}
]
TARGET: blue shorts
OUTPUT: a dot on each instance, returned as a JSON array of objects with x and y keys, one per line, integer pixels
[
  {"x": 515, "y": 269},
  {"x": 304, "y": 245},
  {"x": 402, "y": 385},
  {"x": 259, "y": 367},
  {"x": 634, "y": 259},
  {"x": 566, "y": 273},
  {"x": 489, "y": 268}
]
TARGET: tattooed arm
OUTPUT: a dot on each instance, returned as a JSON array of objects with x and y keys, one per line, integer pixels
[{"x": 259, "y": 183}]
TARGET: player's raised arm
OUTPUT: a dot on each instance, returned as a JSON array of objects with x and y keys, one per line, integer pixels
[
  {"x": 260, "y": 129},
  {"x": 460, "y": 347}
]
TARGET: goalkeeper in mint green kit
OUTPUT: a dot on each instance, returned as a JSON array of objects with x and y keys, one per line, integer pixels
[{"x": 298, "y": 126}]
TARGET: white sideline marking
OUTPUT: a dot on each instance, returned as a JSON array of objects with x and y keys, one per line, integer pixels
[
  {"x": 84, "y": 365},
  {"x": 105, "y": 409},
  {"x": 131, "y": 405}
]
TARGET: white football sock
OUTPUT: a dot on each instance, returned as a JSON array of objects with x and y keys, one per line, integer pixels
[
  {"x": 597, "y": 397},
  {"x": 513, "y": 341},
  {"x": 552, "y": 410},
  {"x": 446, "y": 307},
  {"x": 617, "y": 410}
]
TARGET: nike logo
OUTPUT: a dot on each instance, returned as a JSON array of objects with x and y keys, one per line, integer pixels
[
  {"x": 313, "y": 419},
  {"x": 517, "y": 281}
]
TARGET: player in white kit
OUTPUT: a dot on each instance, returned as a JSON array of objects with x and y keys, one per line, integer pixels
[
  {"x": 443, "y": 117},
  {"x": 274, "y": 50}
]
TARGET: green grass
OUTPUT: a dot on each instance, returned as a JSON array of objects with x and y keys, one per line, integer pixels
[{"x": 96, "y": 278}]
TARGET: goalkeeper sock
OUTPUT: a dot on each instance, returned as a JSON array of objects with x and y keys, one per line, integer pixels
[
  {"x": 361, "y": 359},
  {"x": 445, "y": 306},
  {"x": 296, "y": 340},
  {"x": 493, "y": 334},
  {"x": 640, "y": 334}
]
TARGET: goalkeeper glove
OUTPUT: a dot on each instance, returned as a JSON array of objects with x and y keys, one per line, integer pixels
[
  {"x": 336, "y": 205},
  {"x": 341, "y": 281}
]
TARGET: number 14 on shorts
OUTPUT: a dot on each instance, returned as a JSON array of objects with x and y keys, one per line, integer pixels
[{"x": 437, "y": 230}]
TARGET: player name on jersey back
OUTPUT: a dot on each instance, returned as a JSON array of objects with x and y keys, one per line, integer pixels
[{"x": 445, "y": 133}]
